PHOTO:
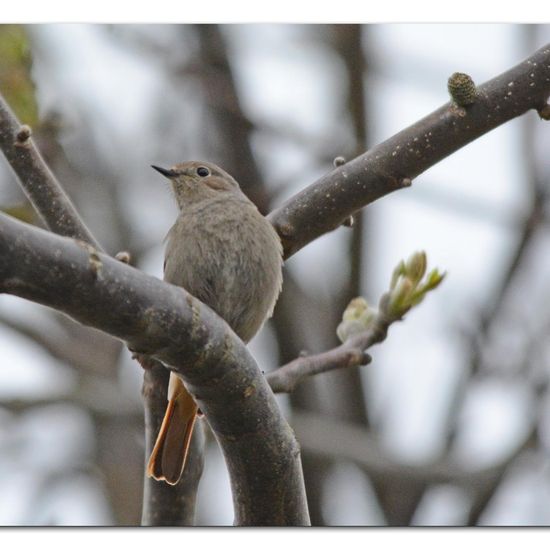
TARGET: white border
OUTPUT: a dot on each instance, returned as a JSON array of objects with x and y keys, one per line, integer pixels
[
  {"x": 290, "y": 11},
  {"x": 272, "y": 538}
]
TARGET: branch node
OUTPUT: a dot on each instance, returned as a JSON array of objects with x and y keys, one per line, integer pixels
[
  {"x": 22, "y": 136},
  {"x": 405, "y": 182},
  {"x": 94, "y": 261},
  {"x": 544, "y": 113},
  {"x": 339, "y": 161},
  {"x": 285, "y": 229},
  {"x": 462, "y": 89},
  {"x": 348, "y": 222},
  {"x": 367, "y": 359},
  {"x": 124, "y": 257}
]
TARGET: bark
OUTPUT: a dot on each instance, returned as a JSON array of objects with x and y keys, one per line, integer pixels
[
  {"x": 393, "y": 164},
  {"x": 166, "y": 322}
]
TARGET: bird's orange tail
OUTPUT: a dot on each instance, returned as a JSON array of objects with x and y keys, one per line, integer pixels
[{"x": 170, "y": 452}]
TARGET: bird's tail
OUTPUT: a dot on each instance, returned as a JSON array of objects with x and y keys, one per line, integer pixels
[{"x": 169, "y": 455}]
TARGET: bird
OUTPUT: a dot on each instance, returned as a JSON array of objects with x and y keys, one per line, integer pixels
[{"x": 225, "y": 253}]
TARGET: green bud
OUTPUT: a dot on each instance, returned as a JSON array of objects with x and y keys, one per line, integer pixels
[
  {"x": 357, "y": 317},
  {"x": 416, "y": 266},
  {"x": 347, "y": 329},
  {"x": 355, "y": 309},
  {"x": 368, "y": 317},
  {"x": 434, "y": 279},
  {"x": 406, "y": 286},
  {"x": 399, "y": 270},
  {"x": 417, "y": 297},
  {"x": 400, "y": 297}
]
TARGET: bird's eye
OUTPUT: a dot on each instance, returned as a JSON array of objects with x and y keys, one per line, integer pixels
[{"x": 202, "y": 171}]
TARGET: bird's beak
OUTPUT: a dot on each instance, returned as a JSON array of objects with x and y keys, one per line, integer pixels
[{"x": 165, "y": 172}]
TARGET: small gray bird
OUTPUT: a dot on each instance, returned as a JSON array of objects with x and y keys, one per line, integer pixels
[{"x": 226, "y": 254}]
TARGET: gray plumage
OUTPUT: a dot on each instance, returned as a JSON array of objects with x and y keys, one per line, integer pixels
[{"x": 222, "y": 250}]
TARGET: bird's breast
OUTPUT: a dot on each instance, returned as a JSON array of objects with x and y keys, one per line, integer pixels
[{"x": 229, "y": 257}]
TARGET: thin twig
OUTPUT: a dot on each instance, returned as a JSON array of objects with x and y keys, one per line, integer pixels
[
  {"x": 352, "y": 353},
  {"x": 38, "y": 182}
]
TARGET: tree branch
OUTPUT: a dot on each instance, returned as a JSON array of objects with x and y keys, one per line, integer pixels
[
  {"x": 391, "y": 165},
  {"x": 164, "y": 321},
  {"x": 59, "y": 214},
  {"x": 362, "y": 325},
  {"x": 349, "y": 354},
  {"x": 38, "y": 182}
]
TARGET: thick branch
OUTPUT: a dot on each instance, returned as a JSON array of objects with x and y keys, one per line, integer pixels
[
  {"x": 36, "y": 179},
  {"x": 166, "y": 322},
  {"x": 390, "y": 166}
]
